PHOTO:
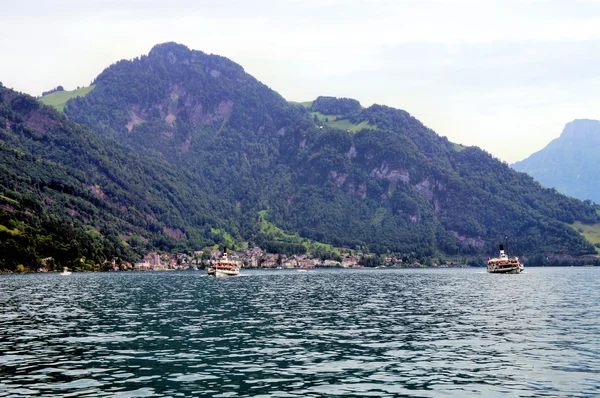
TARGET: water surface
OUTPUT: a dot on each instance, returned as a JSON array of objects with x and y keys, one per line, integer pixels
[{"x": 414, "y": 333}]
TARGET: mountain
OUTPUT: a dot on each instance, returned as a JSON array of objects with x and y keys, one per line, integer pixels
[
  {"x": 204, "y": 153},
  {"x": 570, "y": 162},
  {"x": 391, "y": 185}
]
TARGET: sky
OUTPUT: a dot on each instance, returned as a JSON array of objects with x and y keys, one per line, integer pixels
[{"x": 504, "y": 75}]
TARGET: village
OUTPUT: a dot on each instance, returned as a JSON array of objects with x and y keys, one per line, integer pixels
[
  {"x": 250, "y": 258},
  {"x": 247, "y": 258}
]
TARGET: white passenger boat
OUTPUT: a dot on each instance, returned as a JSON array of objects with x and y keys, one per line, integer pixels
[
  {"x": 503, "y": 264},
  {"x": 224, "y": 267}
]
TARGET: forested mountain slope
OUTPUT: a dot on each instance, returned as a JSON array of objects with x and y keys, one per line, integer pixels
[
  {"x": 570, "y": 163},
  {"x": 227, "y": 153},
  {"x": 82, "y": 199},
  {"x": 393, "y": 185}
]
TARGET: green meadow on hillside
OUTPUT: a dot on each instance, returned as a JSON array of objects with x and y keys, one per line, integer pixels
[
  {"x": 276, "y": 234},
  {"x": 590, "y": 232},
  {"x": 458, "y": 147},
  {"x": 341, "y": 123},
  {"x": 306, "y": 104},
  {"x": 336, "y": 121},
  {"x": 58, "y": 99}
]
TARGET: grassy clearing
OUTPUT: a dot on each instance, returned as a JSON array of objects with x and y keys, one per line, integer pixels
[
  {"x": 380, "y": 215},
  {"x": 306, "y": 104},
  {"x": 58, "y": 99},
  {"x": 277, "y": 233},
  {"x": 345, "y": 124},
  {"x": 590, "y": 232},
  {"x": 459, "y": 148},
  {"x": 338, "y": 122},
  {"x": 325, "y": 118},
  {"x": 13, "y": 232},
  {"x": 225, "y": 235}
]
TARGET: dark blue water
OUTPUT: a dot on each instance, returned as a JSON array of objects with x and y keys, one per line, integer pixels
[{"x": 417, "y": 333}]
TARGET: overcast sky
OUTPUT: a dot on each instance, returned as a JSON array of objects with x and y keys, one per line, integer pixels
[{"x": 504, "y": 75}]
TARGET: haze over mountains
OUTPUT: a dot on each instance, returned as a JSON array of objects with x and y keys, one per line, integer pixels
[
  {"x": 570, "y": 163},
  {"x": 178, "y": 150}
]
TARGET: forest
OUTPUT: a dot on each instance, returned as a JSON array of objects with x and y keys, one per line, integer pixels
[{"x": 178, "y": 150}]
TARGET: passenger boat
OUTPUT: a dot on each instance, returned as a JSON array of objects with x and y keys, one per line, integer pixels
[
  {"x": 224, "y": 267},
  {"x": 503, "y": 264}
]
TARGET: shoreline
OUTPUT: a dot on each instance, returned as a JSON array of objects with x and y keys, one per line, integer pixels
[{"x": 203, "y": 270}]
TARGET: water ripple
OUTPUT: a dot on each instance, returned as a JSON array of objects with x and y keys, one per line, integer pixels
[{"x": 417, "y": 333}]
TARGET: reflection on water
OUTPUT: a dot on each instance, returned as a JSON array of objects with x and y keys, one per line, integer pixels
[{"x": 418, "y": 333}]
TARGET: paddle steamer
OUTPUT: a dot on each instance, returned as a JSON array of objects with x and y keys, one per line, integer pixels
[
  {"x": 503, "y": 264},
  {"x": 224, "y": 267}
]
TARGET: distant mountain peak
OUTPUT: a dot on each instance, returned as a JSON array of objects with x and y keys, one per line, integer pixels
[
  {"x": 569, "y": 163},
  {"x": 582, "y": 129}
]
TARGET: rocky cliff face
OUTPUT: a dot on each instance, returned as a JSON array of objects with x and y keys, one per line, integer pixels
[{"x": 570, "y": 163}]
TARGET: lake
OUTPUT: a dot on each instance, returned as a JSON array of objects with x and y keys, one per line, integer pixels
[{"x": 379, "y": 332}]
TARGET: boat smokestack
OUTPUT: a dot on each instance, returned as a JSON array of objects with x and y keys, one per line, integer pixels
[{"x": 502, "y": 253}]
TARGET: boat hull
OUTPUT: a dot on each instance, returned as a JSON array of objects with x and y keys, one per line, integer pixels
[
  {"x": 226, "y": 274},
  {"x": 516, "y": 270}
]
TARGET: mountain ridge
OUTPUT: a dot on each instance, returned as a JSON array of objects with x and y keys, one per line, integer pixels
[
  {"x": 569, "y": 162},
  {"x": 411, "y": 151},
  {"x": 236, "y": 154}
]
